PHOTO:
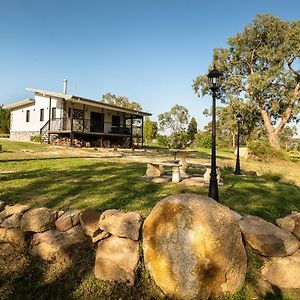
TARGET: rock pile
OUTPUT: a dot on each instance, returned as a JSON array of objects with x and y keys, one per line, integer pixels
[
  {"x": 57, "y": 236},
  {"x": 278, "y": 247},
  {"x": 193, "y": 247}
]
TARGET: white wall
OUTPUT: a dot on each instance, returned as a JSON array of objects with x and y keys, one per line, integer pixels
[{"x": 18, "y": 116}]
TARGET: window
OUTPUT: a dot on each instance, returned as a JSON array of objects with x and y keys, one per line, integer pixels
[
  {"x": 77, "y": 113},
  {"x": 41, "y": 114},
  {"x": 115, "y": 121},
  {"x": 27, "y": 115},
  {"x": 53, "y": 113}
]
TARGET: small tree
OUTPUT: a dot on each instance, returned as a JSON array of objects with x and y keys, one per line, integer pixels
[
  {"x": 175, "y": 121},
  {"x": 192, "y": 129},
  {"x": 150, "y": 129},
  {"x": 4, "y": 120}
]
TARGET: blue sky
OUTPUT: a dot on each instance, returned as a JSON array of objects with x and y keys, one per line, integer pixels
[{"x": 147, "y": 50}]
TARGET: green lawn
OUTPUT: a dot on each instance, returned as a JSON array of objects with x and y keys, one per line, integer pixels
[
  {"x": 42, "y": 175},
  {"x": 59, "y": 178}
]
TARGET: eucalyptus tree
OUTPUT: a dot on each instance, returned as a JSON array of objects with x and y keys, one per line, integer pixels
[
  {"x": 121, "y": 101},
  {"x": 259, "y": 68},
  {"x": 175, "y": 122}
]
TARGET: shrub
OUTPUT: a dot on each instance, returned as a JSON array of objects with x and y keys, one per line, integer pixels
[
  {"x": 270, "y": 176},
  {"x": 36, "y": 138},
  {"x": 264, "y": 151},
  {"x": 163, "y": 141},
  {"x": 203, "y": 139}
]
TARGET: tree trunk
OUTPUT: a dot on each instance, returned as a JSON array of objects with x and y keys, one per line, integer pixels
[
  {"x": 273, "y": 134},
  {"x": 274, "y": 139}
]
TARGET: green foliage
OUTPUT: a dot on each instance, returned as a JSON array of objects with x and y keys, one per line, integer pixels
[
  {"x": 264, "y": 151},
  {"x": 203, "y": 139},
  {"x": 192, "y": 129},
  {"x": 259, "y": 69},
  {"x": 175, "y": 140},
  {"x": 227, "y": 124},
  {"x": 163, "y": 141},
  {"x": 36, "y": 138},
  {"x": 120, "y": 101},
  {"x": 4, "y": 120},
  {"x": 286, "y": 138},
  {"x": 150, "y": 129},
  {"x": 175, "y": 120},
  {"x": 271, "y": 176},
  {"x": 179, "y": 140}
]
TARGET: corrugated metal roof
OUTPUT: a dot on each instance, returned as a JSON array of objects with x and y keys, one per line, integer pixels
[
  {"x": 50, "y": 93},
  {"x": 83, "y": 100},
  {"x": 21, "y": 103}
]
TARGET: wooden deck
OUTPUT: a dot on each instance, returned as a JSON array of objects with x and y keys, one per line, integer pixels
[{"x": 93, "y": 133}]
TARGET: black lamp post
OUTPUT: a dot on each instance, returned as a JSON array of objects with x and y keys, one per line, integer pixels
[
  {"x": 237, "y": 165},
  {"x": 214, "y": 81}
]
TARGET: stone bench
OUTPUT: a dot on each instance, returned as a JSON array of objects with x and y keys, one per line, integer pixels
[
  {"x": 206, "y": 175},
  {"x": 156, "y": 169}
]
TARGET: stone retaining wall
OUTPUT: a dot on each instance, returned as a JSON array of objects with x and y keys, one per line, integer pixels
[
  {"x": 53, "y": 235},
  {"x": 23, "y": 135}
]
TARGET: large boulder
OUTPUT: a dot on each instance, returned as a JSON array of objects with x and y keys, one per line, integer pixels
[
  {"x": 121, "y": 224},
  {"x": 17, "y": 208},
  {"x": 267, "y": 239},
  {"x": 89, "y": 219},
  {"x": 117, "y": 259},
  {"x": 296, "y": 217},
  {"x": 2, "y": 205},
  {"x": 14, "y": 221},
  {"x": 193, "y": 248},
  {"x": 13, "y": 235},
  {"x": 3, "y": 216},
  {"x": 290, "y": 223},
  {"x": 68, "y": 220},
  {"x": 287, "y": 223},
  {"x": 283, "y": 272},
  {"x": 38, "y": 220},
  {"x": 54, "y": 245},
  {"x": 243, "y": 152}
]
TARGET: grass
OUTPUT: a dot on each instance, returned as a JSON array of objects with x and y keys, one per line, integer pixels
[{"x": 59, "y": 178}]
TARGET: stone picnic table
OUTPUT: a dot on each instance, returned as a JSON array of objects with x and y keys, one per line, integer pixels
[{"x": 156, "y": 169}]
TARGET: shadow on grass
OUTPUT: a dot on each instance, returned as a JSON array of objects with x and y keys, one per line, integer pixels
[
  {"x": 265, "y": 196},
  {"x": 80, "y": 184}
]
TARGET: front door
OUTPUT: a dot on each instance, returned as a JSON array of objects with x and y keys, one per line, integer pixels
[{"x": 97, "y": 122}]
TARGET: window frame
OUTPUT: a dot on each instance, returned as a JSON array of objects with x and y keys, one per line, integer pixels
[
  {"x": 27, "y": 116},
  {"x": 53, "y": 113},
  {"x": 42, "y": 114}
]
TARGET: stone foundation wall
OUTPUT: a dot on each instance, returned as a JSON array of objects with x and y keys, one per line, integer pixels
[
  {"x": 116, "y": 237},
  {"x": 23, "y": 135}
]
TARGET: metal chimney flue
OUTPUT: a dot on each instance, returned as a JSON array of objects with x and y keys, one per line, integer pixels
[{"x": 65, "y": 86}]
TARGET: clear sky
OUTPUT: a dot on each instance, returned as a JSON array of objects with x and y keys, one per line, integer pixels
[{"x": 147, "y": 50}]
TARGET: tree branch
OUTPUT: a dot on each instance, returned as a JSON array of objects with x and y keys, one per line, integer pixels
[
  {"x": 290, "y": 62},
  {"x": 288, "y": 111}
]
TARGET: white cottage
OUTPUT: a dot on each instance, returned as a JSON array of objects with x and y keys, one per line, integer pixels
[{"x": 52, "y": 114}]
